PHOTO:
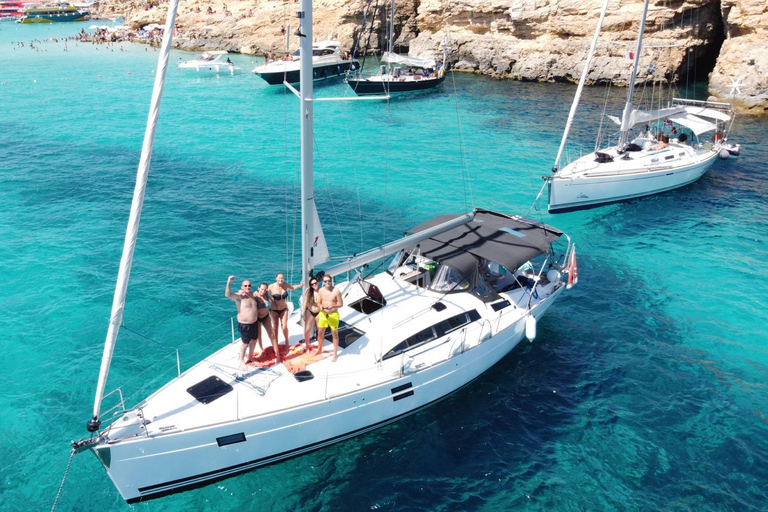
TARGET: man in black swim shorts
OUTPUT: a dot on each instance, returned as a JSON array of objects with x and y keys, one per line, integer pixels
[{"x": 247, "y": 318}]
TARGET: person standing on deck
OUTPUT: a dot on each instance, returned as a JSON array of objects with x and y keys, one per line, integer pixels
[
  {"x": 247, "y": 318},
  {"x": 279, "y": 305},
  {"x": 330, "y": 301}
]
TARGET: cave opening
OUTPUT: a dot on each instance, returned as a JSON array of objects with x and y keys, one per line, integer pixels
[{"x": 700, "y": 59}]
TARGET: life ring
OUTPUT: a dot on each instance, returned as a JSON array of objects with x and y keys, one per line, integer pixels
[{"x": 717, "y": 137}]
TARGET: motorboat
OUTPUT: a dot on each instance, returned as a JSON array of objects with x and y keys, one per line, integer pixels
[
  {"x": 211, "y": 61},
  {"x": 52, "y": 13},
  {"x": 327, "y": 62},
  {"x": 657, "y": 149},
  {"x": 460, "y": 292}
]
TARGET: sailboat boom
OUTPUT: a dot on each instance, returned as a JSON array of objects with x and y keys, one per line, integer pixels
[{"x": 392, "y": 247}]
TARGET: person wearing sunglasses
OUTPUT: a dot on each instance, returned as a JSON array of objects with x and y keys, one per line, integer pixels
[
  {"x": 310, "y": 309},
  {"x": 330, "y": 301},
  {"x": 265, "y": 319},
  {"x": 247, "y": 318}
]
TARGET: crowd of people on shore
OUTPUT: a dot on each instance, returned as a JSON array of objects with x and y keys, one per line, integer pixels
[{"x": 266, "y": 310}]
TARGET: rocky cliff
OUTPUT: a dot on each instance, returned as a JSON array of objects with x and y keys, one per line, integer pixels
[{"x": 544, "y": 40}]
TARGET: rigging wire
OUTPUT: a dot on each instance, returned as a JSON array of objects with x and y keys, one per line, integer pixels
[
  {"x": 469, "y": 200},
  {"x": 158, "y": 363}
]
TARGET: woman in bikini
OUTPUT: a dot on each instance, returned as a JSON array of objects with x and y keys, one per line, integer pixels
[
  {"x": 279, "y": 292},
  {"x": 265, "y": 318},
  {"x": 310, "y": 309}
]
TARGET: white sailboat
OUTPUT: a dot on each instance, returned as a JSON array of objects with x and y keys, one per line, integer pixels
[
  {"x": 460, "y": 293},
  {"x": 644, "y": 161},
  {"x": 399, "y": 73}
]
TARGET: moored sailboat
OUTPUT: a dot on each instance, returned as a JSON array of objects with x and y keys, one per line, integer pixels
[
  {"x": 460, "y": 293},
  {"x": 399, "y": 73},
  {"x": 657, "y": 150}
]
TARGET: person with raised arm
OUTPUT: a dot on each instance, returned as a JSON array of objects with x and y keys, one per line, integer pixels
[{"x": 247, "y": 318}]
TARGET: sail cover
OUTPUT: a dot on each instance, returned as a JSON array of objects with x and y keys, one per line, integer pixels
[
  {"x": 505, "y": 239},
  {"x": 709, "y": 113},
  {"x": 393, "y": 58},
  {"x": 646, "y": 117},
  {"x": 696, "y": 124}
]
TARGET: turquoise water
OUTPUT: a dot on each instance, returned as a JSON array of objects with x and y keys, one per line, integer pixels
[{"x": 645, "y": 389}]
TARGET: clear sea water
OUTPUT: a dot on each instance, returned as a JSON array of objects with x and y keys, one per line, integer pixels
[{"x": 646, "y": 388}]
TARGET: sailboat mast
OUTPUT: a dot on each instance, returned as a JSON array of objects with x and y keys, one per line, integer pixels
[
  {"x": 307, "y": 113},
  {"x": 580, "y": 88},
  {"x": 118, "y": 302},
  {"x": 625, "y": 117},
  {"x": 390, "y": 43}
]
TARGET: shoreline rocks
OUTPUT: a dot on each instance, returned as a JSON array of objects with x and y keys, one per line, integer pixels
[{"x": 534, "y": 40}]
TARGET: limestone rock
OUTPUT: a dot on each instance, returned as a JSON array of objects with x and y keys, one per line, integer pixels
[{"x": 543, "y": 40}]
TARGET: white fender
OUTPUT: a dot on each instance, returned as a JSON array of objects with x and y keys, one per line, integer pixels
[{"x": 530, "y": 327}]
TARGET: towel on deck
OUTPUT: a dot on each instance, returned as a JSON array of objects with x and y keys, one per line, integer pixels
[{"x": 295, "y": 358}]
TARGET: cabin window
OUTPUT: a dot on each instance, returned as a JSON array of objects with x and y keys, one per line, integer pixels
[{"x": 434, "y": 332}]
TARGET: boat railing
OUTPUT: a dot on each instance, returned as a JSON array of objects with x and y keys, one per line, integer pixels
[{"x": 116, "y": 410}]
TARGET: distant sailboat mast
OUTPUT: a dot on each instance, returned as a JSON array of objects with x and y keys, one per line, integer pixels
[
  {"x": 583, "y": 79},
  {"x": 390, "y": 43},
  {"x": 626, "y": 116},
  {"x": 118, "y": 302}
]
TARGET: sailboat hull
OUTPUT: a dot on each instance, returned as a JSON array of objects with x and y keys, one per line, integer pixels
[
  {"x": 276, "y": 75},
  {"x": 152, "y": 466},
  {"x": 372, "y": 85},
  {"x": 590, "y": 184}
]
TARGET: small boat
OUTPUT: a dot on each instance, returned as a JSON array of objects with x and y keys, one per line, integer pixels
[
  {"x": 657, "y": 150},
  {"x": 399, "y": 73},
  {"x": 210, "y": 61},
  {"x": 52, "y": 13},
  {"x": 461, "y": 291},
  {"x": 327, "y": 62}
]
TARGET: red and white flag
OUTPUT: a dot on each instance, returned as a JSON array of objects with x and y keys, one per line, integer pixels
[{"x": 573, "y": 270}]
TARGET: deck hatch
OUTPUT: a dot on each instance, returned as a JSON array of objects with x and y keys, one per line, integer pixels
[
  {"x": 210, "y": 389},
  {"x": 347, "y": 334},
  {"x": 234, "y": 438}
]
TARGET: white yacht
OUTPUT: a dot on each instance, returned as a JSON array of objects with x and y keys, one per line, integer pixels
[
  {"x": 327, "y": 62},
  {"x": 657, "y": 150},
  {"x": 211, "y": 62},
  {"x": 460, "y": 293}
]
